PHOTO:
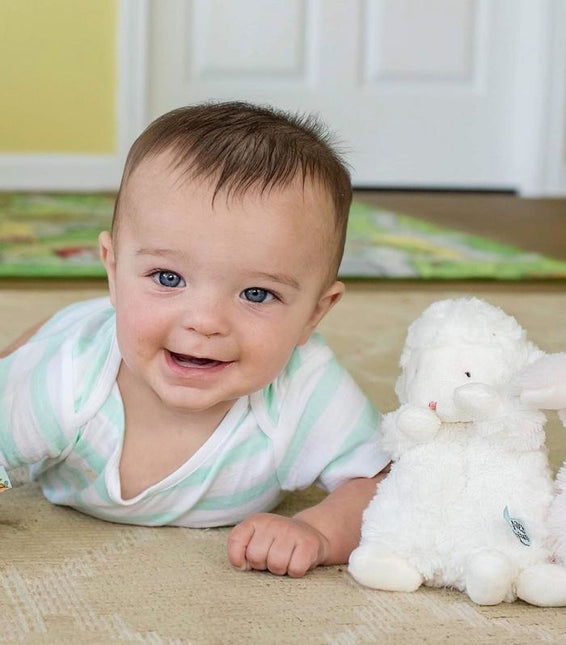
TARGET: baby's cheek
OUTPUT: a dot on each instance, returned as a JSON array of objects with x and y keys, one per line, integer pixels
[
  {"x": 133, "y": 335},
  {"x": 266, "y": 362}
]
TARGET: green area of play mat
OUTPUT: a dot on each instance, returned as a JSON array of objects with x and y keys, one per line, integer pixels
[{"x": 55, "y": 235}]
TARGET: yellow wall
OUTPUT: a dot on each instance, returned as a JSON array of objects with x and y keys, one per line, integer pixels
[{"x": 58, "y": 76}]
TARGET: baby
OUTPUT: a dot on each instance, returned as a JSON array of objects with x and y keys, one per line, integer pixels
[{"x": 199, "y": 392}]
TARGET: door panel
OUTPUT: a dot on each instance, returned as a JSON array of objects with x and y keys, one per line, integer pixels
[{"x": 420, "y": 92}]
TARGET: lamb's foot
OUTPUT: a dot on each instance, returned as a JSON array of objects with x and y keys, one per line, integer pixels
[
  {"x": 375, "y": 565},
  {"x": 489, "y": 578},
  {"x": 543, "y": 585}
]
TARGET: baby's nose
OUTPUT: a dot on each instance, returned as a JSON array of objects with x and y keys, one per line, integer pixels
[
  {"x": 206, "y": 317},
  {"x": 432, "y": 405}
]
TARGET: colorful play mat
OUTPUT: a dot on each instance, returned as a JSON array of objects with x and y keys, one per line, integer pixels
[{"x": 55, "y": 236}]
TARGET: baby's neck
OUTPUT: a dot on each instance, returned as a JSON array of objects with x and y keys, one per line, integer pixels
[
  {"x": 144, "y": 408},
  {"x": 158, "y": 440}
]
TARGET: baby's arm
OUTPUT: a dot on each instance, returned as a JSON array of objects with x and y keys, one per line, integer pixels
[{"x": 323, "y": 534}]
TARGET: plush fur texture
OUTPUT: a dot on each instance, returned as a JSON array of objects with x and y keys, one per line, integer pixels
[
  {"x": 543, "y": 385},
  {"x": 557, "y": 522},
  {"x": 465, "y": 452}
]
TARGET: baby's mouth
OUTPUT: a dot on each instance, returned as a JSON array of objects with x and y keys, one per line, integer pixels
[{"x": 186, "y": 360}]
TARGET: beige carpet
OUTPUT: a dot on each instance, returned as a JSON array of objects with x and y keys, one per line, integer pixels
[{"x": 67, "y": 578}]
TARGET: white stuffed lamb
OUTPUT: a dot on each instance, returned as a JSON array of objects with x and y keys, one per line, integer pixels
[
  {"x": 543, "y": 385},
  {"x": 465, "y": 504}
]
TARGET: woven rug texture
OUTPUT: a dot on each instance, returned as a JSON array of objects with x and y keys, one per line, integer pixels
[{"x": 69, "y": 578}]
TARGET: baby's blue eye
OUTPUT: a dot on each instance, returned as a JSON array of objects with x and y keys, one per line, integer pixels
[
  {"x": 168, "y": 279},
  {"x": 255, "y": 294}
]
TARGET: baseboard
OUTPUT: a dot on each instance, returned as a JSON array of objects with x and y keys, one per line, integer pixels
[{"x": 59, "y": 172}]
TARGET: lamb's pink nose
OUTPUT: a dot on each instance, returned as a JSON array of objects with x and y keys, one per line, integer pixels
[{"x": 432, "y": 405}]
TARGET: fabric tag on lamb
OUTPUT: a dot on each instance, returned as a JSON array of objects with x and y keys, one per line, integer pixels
[
  {"x": 4, "y": 480},
  {"x": 517, "y": 528}
]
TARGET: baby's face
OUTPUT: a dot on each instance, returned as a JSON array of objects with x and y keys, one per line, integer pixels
[{"x": 212, "y": 299}]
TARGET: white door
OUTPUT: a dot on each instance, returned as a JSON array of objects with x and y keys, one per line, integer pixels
[{"x": 423, "y": 93}]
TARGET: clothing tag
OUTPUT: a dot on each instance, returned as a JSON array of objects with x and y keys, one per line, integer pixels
[
  {"x": 4, "y": 480},
  {"x": 517, "y": 528}
]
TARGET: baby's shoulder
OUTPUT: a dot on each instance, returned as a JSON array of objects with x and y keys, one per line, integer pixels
[
  {"x": 67, "y": 369},
  {"x": 77, "y": 353},
  {"x": 293, "y": 386},
  {"x": 78, "y": 319},
  {"x": 307, "y": 359}
]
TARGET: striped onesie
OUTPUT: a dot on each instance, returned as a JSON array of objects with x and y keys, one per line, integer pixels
[{"x": 61, "y": 412}]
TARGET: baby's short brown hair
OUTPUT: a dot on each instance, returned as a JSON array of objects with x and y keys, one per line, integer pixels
[{"x": 242, "y": 146}]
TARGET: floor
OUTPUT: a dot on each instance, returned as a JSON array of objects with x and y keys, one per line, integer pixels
[
  {"x": 534, "y": 224},
  {"x": 367, "y": 331}
]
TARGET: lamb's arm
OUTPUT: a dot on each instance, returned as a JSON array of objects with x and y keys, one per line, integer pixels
[
  {"x": 542, "y": 384},
  {"x": 502, "y": 417},
  {"x": 407, "y": 427}
]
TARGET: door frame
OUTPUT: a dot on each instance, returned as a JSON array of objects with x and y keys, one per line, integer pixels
[{"x": 540, "y": 99}]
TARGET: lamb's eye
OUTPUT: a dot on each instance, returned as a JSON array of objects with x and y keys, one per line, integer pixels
[{"x": 468, "y": 374}]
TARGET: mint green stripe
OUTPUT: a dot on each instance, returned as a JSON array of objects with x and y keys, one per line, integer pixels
[
  {"x": 58, "y": 481},
  {"x": 83, "y": 345},
  {"x": 100, "y": 486},
  {"x": 77, "y": 474},
  {"x": 365, "y": 428},
  {"x": 253, "y": 445},
  {"x": 113, "y": 410},
  {"x": 244, "y": 451},
  {"x": 154, "y": 519},
  {"x": 8, "y": 447},
  {"x": 294, "y": 363},
  {"x": 157, "y": 519},
  {"x": 222, "y": 502},
  {"x": 322, "y": 395},
  {"x": 55, "y": 483},
  {"x": 91, "y": 376},
  {"x": 271, "y": 403},
  {"x": 89, "y": 454},
  {"x": 44, "y": 414}
]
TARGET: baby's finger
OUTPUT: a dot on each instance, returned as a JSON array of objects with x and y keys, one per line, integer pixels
[
  {"x": 258, "y": 549},
  {"x": 302, "y": 560},
  {"x": 238, "y": 541},
  {"x": 279, "y": 556}
]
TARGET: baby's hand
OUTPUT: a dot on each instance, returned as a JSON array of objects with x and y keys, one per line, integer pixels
[
  {"x": 281, "y": 545},
  {"x": 420, "y": 424}
]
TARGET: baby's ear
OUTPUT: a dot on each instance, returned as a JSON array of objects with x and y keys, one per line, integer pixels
[
  {"x": 106, "y": 251},
  {"x": 325, "y": 303}
]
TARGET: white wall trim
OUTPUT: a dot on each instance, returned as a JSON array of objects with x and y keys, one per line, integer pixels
[
  {"x": 540, "y": 99},
  {"x": 60, "y": 172},
  {"x": 555, "y": 134}
]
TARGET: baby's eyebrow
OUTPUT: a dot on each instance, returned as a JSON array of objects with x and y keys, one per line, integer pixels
[
  {"x": 168, "y": 253},
  {"x": 279, "y": 277}
]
